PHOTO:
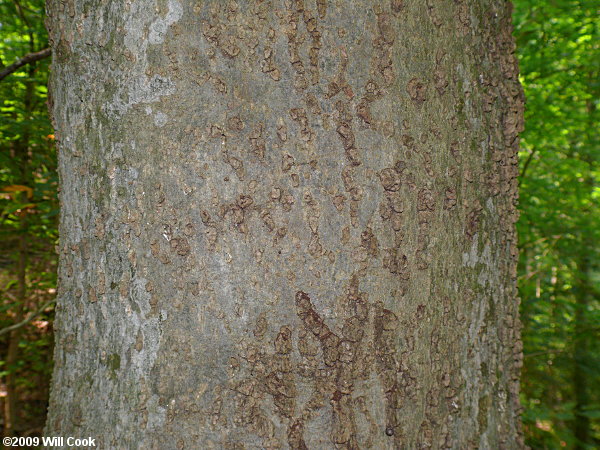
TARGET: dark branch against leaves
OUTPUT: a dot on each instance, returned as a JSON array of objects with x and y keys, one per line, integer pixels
[{"x": 27, "y": 59}]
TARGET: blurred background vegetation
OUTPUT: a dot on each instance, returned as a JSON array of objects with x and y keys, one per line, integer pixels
[
  {"x": 28, "y": 221},
  {"x": 559, "y": 232}
]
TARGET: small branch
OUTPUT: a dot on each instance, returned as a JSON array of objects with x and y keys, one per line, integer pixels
[
  {"x": 24, "y": 18},
  {"x": 28, "y": 319},
  {"x": 527, "y": 162},
  {"x": 545, "y": 352},
  {"x": 27, "y": 59}
]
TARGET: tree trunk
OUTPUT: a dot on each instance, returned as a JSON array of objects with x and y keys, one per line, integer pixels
[
  {"x": 14, "y": 339},
  {"x": 581, "y": 357},
  {"x": 286, "y": 224},
  {"x": 584, "y": 293},
  {"x": 22, "y": 154}
]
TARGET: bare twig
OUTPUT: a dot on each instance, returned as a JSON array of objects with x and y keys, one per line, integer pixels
[
  {"x": 27, "y": 59},
  {"x": 545, "y": 352},
  {"x": 29, "y": 29},
  {"x": 28, "y": 319},
  {"x": 527, "y": 162}
]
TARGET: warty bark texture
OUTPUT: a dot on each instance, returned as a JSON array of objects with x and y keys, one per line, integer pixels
[{"x": 286, "y": 224}]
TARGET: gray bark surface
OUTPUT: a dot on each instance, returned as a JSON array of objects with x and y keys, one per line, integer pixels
[{"x": 286, "y": 224}]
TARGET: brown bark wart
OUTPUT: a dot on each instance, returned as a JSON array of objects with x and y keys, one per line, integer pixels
[{"x": 287, "y": 224}]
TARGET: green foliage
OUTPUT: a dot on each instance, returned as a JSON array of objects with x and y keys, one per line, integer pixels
[
  {"x": 28, "y": 213},
  {"x": 559, "y": 56}
]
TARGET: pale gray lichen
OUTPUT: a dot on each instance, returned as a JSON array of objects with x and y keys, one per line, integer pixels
[{"x": 158, "y": 29}]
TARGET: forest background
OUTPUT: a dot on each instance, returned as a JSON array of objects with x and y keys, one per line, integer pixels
[{"x": 558, "y": 45}]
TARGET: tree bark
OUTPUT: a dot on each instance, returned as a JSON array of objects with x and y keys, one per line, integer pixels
[{"x": 286, "y": 224}]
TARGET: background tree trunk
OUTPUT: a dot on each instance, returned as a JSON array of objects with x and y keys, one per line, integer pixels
[
  {"x": 22, "y": 154},
  {"x": 286, "y": 224}
]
